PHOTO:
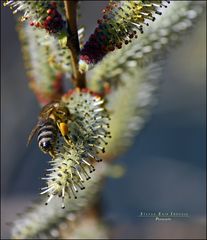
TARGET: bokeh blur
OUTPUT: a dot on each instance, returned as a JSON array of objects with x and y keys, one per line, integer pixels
[{"x": 165, "y": 167}]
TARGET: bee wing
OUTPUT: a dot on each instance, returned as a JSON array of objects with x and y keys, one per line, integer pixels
[
  {"x": 33, "y": 132},
  {"x": 47, "y": 110},
  {"x": 45, "y": 113}
]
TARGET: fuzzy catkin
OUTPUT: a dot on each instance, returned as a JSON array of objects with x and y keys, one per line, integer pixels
[
  {"x": 157, "y": 39},
  {"x": 74, "y": 159},
  {"x": 120, "y": 21},
  {"x": 45, "y": 77},
  {"x": 133, "y": 112},
  {"x": 47, "y": 15},
  {"x": 47, "y": 62},
  {"x": 42, "y": 221}
]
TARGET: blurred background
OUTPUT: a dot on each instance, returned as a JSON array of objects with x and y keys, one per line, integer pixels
[{"x": 165, "y": 167}]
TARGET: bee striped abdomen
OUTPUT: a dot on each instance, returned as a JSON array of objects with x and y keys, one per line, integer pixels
[{"x": 47, "y": 135}]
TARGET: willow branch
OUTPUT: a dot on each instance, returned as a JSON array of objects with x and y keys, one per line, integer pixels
[{"x": 73, "y": 42}]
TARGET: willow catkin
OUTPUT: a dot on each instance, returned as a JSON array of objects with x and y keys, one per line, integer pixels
[
  {"x": 88, "y": 132},
  {"x": 118, "y": 27},
  {"x": 48, "y": 15}
]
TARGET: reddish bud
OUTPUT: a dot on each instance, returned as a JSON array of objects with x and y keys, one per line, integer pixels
[
  {"x": 37, "y": 24},
  {"x": 49, "y": 11},
  {"x": 49, "y": 18}
]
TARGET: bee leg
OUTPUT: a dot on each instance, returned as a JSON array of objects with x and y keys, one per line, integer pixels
[
  {"x": 63, "y": 127},
  {"x": 52, "y": 154},
  {"x": 68, "y": 141}
]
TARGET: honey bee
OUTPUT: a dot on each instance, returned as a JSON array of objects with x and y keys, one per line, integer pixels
[{"x": 53, "y": 117}]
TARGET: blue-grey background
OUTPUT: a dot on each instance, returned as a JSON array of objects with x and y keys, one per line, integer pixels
[{"x": 165, "y": 168}]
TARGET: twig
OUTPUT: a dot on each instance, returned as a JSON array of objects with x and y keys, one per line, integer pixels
[{"x": 73, "y": 42}]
